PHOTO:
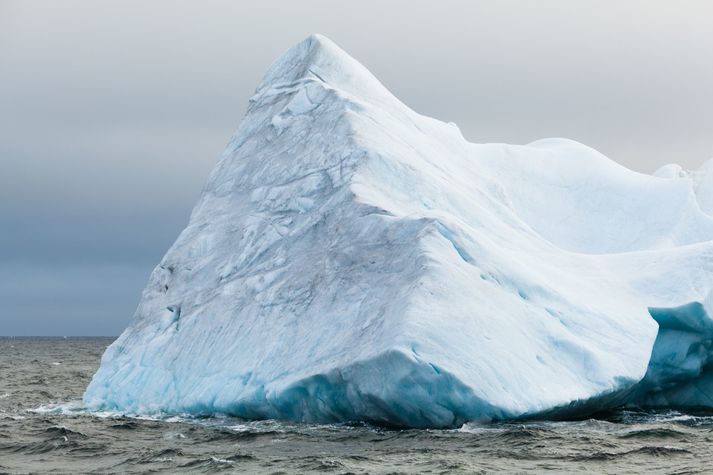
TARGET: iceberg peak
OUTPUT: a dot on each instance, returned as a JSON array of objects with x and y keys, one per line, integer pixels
[{"x": 317, "y": 58}]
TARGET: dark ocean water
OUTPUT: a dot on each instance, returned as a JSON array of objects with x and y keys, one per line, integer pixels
[{"x": 43, "y": 429}]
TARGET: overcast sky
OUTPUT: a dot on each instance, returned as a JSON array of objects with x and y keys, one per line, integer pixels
[{"x": 113, "y": 113}]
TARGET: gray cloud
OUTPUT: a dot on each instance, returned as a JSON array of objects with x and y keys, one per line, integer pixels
[{"x": 113, "y": 112}]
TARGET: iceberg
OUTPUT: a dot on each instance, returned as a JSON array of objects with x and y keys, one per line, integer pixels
[{"x": 352, "y": 260}]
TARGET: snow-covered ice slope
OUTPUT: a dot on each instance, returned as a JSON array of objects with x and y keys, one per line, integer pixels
[{"x": 350, "y": 259}]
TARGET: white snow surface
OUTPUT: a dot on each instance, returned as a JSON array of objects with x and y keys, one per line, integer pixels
[{"x": 350, "y": 259}]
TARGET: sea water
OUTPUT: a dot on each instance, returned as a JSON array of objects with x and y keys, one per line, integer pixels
[{"x": 45, "y": 429}]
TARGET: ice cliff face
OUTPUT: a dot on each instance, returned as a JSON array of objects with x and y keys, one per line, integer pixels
[{"x": 350, "y": 259}]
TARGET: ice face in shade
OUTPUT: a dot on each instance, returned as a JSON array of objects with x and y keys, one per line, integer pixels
[{"x": 350, "y": 259}]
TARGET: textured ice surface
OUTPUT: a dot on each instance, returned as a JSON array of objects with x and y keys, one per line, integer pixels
[{"x": 350, "y": 259}]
